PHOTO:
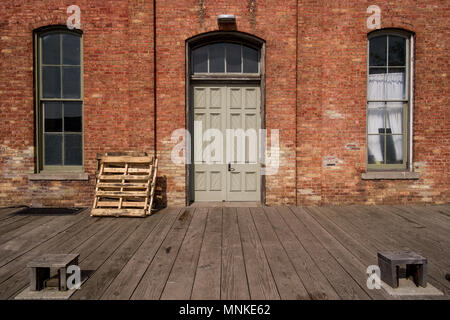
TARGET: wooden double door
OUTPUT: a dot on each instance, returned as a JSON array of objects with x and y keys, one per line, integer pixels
[{"x": 226, "y": 160}]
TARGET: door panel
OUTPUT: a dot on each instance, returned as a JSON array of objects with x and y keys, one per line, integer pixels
[
  {"x": 224, "y": 107},
  {"x": 244, "y": 113},
  {"x": 209, "y": 110}
]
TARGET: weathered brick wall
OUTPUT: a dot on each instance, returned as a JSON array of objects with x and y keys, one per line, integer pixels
[
  {"x": 315, "y": 93},
  {"x": 332, "y": 98},
  {"x": 180, "y": 20},
  {"x": 118, "y": 91}
]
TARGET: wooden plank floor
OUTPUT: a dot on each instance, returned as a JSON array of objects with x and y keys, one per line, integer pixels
[{"x": 225, "y": 252}]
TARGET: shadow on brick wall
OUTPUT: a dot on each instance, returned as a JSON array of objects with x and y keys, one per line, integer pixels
[{"x": 161, "y": 193}]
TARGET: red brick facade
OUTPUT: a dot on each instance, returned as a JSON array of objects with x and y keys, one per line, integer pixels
[{"x": 316, "y": 53}]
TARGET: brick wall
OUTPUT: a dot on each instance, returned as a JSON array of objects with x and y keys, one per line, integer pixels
[
  {"x": 118, "y": 90},
  {"x": 315, "y": 93},
  {"x": 331, "y": 112}
]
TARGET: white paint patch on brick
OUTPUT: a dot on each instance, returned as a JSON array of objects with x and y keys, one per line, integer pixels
[
  {"x": 420, "y": 166},
  {"x": 15, "y": 161},
  {"x": 306, "y": 191},
  {"x": 333, "y": 114},
  {"x": 332, "y": 161},
  {"x": 352, "y": 146}
]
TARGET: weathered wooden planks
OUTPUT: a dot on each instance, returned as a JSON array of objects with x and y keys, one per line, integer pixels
[
  {"x": 125, "y": 186},
  {"x": 234, "y": 278},
  {"x": 181, "y": 278},
  {"x": 260, "y": 279},
  {"x": 104, "y": 276},
  {"x": 208, "y": 274},
  {"x": 286, "y": 278},
  {"x": 154, "y": 279},
  {"x": 241, "y": 253},
  {"x": 123, "y": 286},
  {"x": 342, "y": 282},
  {"x": 343, "y": 256},
  {"x": 14, "y": 276},
  {"x": 313, "y": 279}
]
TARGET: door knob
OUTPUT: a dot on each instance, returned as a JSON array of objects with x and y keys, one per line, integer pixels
[{"x": 230, "y": 168}]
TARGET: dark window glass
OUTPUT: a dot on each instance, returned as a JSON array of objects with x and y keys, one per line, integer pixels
[
  {"x": 51, "y": 78},
  {"x": 394, "y": 149},
  {"x": 250, "y": 57},
  {"x": 216, "y": 58},
  {"x": 53, "y": 149},
  {"x": 233, "y": 52},
  {"x": 51, "y": 49},
  {"x": 61, "y": 79},
  {"x": 72, "y": 149},
  {"x": 397, "y": 51},
  {"x": 71, "y": 49},
  {"x": 72, "y": 117},
  {"x": 53, "y": 117},
  {"x": 71, "y": 82},
  {"x": 377, "y": 70},
  {"x": 377, "y": 51},
  {"x": 200, "y": 59}
]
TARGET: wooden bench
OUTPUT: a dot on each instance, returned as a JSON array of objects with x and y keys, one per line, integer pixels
[
  {"x": 40, "y": 269},
  {"x": 390, "y": 262}
]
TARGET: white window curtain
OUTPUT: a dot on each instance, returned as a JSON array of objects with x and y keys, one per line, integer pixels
[{"x": 386, "y": 86}]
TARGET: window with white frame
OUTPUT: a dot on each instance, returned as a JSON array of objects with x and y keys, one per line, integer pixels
[{"x": 388, "y": 99}]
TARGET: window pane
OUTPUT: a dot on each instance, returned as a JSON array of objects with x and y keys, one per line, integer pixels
[
  {"x": 53, "y": 117},
  {"x": 51, "y": 49},
  {"x": 233, "y": 57},
  {"x": 217, "y": 58},
  {"x": 394, "y": 117},
  {"x": 377, "y": 51},
  {"x": 397, "y": 51},
  {"x": 377, "y": 84},
  {"x": 200, "y": 59},
  {"x": 72, "y": 150},
  {"x": 375, "y": 114},
  {"x": 72, "y": 117},
  {"x": 250, "y": 57},
  {"x": 71, "y": 82},
  {"x": 375, "y": 149},
  {"x": 395, "y": 84},
  {"x": 71, "y": 49},
  {"x": 51, "y": 86},
  {"x": 394, "y": 149},
  {"x": 53, "y": 149}
]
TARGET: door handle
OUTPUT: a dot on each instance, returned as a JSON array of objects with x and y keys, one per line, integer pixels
[{"x": 230, "y": 168}]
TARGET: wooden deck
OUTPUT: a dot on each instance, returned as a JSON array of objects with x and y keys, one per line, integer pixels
[{"x": 228, "y": 253}]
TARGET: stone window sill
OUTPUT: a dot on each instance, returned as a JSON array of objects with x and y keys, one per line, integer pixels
[
  {"x": 59, "y": 176},
  {"x": 390, "y": 175}
]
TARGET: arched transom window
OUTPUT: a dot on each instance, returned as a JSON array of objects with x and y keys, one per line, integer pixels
[{"x": 225, "y": 57}]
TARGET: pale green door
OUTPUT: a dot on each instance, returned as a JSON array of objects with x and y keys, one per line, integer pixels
[{"x": 233, "y": 173}]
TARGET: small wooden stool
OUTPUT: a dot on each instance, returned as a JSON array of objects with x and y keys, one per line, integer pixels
[
  {"x": 40, "y": 269},
  {"x": 390, "y": 261}
]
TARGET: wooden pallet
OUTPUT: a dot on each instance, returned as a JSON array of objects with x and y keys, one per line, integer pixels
[{"x": 125, "y": 186}]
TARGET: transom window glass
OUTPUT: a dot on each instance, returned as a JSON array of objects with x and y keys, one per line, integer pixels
[
  {"x": 225, "y": 58},
  {"x": 60, "y": 100},
  {"x": 388, "y": 101}
]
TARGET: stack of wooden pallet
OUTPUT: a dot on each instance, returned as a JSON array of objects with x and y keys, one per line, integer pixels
[{"x": 125, "y": 186}]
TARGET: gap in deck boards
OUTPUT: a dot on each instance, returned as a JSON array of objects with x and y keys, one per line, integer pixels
[{"x": 48, "y": 211}]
